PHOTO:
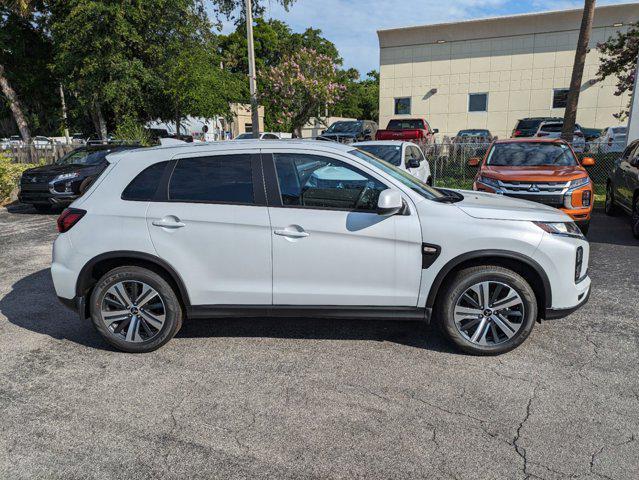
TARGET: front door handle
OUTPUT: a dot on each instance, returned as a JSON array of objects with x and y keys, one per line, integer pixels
[
  {"x": 290, "y": 233},
  {"x": 169, "y": 222}
]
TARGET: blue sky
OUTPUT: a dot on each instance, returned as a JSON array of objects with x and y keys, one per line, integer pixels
[{"x": 352, "y": 24}]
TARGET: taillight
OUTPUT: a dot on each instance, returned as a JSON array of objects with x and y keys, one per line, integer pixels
[
  {"x": 517, "y": 133},
  {"x": 68, "y": 218}
]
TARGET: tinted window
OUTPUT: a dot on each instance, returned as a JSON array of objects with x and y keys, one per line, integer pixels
[
  {"x": 144, "y": 186},
  {"x": 528, "y": 124},
  {"x": 477, "y": 102},
  {"x": 559, "y": 98},
  {"x": 224, "y": 178},
  {"x": 345, "y": 127},
  {"x": 402, "y": 106},
  {"x": 391, "y": 153},
  {"x": 321, "y": 182},
  {"x": 269, "y": 136},
  {"x": 518, "y": 154},
  {"x": 552, "y": 127},
  {"x": 414, "y": 124}
]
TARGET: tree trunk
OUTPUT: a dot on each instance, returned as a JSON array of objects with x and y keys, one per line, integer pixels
[
  {"x": 177, "y": 124},
  {"x": 98, "y": 121},
  {"x": 16, "y": 108},
  {"x": 570, "y": 115}
]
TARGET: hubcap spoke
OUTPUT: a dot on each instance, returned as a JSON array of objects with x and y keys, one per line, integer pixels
[
  {"x": 133, "y": 332},
  {"x": 155, "y": 321},
  {"x": 504, "y": 325},
  {"x": 147, "y": 294}
]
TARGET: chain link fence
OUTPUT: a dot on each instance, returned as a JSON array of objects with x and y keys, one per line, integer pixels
[{"x": 449, "y": 166}]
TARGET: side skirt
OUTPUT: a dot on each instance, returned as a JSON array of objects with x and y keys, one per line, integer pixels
[{"x": 318, "y": 311}]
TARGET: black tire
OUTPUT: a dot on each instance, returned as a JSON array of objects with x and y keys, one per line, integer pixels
[
  {"x": 171, "y": 306},
  {"x": 610, "y": 208},
  {"x": 429, "y": 181},
  {"x": 41, "y": 208},
  {"x": 460, "y": 283},
  {"x": 584, "y": 227},
  {"x": 635, "y": 217}
]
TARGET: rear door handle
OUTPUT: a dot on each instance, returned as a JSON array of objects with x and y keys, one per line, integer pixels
[
  {"x": 170, "y": 222},
  {"x": 290, "y": 233}
]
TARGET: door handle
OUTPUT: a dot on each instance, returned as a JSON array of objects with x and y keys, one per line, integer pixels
[
  {"x": 168, "y": 223},
  {"x": 290, "y": 233}
]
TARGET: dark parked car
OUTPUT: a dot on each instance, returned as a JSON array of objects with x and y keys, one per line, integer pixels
[
  {"x": 60, "y": 183},
  {"x": 472, "y": 142},
  {"x": 527, "y": 127},
  {"x": 622, "y": 189},
  {"x": 349, "y": 131}
]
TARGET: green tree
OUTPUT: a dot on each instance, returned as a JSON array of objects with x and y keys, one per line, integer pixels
[
  {"x": 619, "y": 59},
  {"x": 361, "y": 97},
  {"x": 299, "y": 87}
]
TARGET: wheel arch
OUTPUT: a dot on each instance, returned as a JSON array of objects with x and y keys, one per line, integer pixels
[
  {"x": 101, "y": 264},
  {"x": 528, "y": 268}
]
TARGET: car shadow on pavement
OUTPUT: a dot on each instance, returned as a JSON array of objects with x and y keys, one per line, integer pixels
[
  {"x": 611, "y": 230},
  {"x": 32, "y": 304},
  {"x": 24, "y": 209}
]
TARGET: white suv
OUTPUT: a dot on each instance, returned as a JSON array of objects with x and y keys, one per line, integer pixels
[{"x": 302, "y": 228}]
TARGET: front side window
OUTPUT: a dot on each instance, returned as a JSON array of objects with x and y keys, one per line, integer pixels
[
  {"x": 559, "y": 97},
  {"x": 477, "y": 102},
  {"x": 402, "y": 106},
  {"x": 315, "y": 181},
  {"x": 217, "y": 179},
  {"x": 520, "y": 154}
]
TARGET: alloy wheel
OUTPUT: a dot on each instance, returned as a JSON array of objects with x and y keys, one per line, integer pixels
[
  {"x": 133, "y": 311},
  {"x": 489, "y": 313}
]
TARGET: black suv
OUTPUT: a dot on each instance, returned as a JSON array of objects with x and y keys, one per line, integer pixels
[
  {"x": 622, "y": 188},
  {"x": 349, "y": 131},
  {"x": 60, "y": 183}
]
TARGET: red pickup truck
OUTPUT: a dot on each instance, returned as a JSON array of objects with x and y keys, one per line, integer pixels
[{"x": 408, "y": 129}]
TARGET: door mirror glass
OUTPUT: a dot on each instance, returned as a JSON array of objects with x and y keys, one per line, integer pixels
[
  {"x": 435, "y": 130},
  {"x": 473, "y": 161},
  {"x": 367, "y": 131},
  {"x": 389, "y": 202},
  {"x": 587, "y": 161},
  {"x": 412, "y": 163}
]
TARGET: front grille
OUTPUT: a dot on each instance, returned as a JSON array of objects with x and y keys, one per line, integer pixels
[
  {"x": 534, "y": 187},
  {"x": 36, "y": 178},
  {"x": 552, "y": 200}
]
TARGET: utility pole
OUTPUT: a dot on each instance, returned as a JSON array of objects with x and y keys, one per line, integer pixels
[
  {"x": 255, "y": 114},
  {"x": 570, "y": 115},
  {"x": 64, "y": 115}
]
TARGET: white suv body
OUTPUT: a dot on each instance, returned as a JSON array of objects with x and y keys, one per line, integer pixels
[{"x": 258, "y": 228}]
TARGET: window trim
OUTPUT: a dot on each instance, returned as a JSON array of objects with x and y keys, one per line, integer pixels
[
  {"x": 477, "y": 111},
  {"x": 274, "y": 194},
  {"x": 552, "y": 97},
  {"x": 410, "y": 105}
]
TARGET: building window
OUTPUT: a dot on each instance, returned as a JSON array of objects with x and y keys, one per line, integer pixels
[
  {"x": 477, "y": 102},
  {"x": 248, "y": 128},
  {"x": 559, "y": 97},
  {"x": 402, "y": 106}
]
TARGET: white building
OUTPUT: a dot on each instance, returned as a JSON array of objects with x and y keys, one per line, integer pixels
[{"x": 489, "y": 73}]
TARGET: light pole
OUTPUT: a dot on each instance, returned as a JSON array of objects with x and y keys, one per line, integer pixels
[{"x": 255, "y": 115}]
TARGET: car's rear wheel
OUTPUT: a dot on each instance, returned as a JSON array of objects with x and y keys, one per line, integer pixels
[
  {"x": 610, "y": 206},
  {"x": 487, "y": 310},
  {"x": 135, "y": 309},
  {"x": 635, "y": 217}
]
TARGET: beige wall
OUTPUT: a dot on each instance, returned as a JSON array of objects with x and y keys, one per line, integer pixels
[
  {"x": 241, "y": 115},
  {"x": 513, "y": 59}
]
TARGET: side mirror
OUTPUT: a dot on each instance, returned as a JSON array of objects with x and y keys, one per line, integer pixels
[
  {"x": 412, "y": 163},
  {"x": 389, "y": 202},
  {"x": 323, "y": 132},
  {"x": 435, "y": 130},
  {"x": 587, "y": 161},
  {"x": 368, "y": 131},
  {"x": 473, "y": 161}
]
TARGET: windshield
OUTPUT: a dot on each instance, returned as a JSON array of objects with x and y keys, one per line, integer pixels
[
  {"x": 399, "y": 175},
  {"x": 391, "y": 153},
  {"x": 410, "y": 124},
  {"x": 244, "y": 136},
  {"x": 83, "y": 157},
  {"x": 473, "y": 133},
  {"x": 530, "y": 154},
  {"x": 345, "y": 127}
]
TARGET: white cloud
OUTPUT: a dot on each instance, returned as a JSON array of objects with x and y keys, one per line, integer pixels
[{"x": 352, "y": 24}]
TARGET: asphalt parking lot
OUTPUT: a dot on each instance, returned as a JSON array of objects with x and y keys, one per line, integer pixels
[{"x": 315, "y": 398}]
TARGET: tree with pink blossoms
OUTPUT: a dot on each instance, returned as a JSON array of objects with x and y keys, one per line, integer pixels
[{"x": 301, "y": 86}]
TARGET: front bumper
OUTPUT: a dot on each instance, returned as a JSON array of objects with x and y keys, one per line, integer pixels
[{"x": 557, "y": 313}]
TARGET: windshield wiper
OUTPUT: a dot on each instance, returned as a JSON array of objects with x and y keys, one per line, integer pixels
[{"x": 449, "y": 196}]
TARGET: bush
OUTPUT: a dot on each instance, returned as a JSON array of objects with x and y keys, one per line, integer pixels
[
  {"x": 131, "y": 131},
  {"x": 10, "y": 175}
]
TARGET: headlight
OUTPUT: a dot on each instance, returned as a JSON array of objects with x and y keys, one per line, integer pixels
[
  {"x": 567, "y": 229},
  {"x": 488, "y": 181},
  {"x": 66, "y": 176},
  {"x": 579, "y": 182}
]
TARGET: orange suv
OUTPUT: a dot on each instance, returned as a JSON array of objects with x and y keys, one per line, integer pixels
[{"x": 541, "y": 170}]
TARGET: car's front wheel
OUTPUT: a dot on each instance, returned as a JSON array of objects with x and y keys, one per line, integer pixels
[
  {"x": 135, "y": 309},
  {"x": 487, "y": 310},
  {"x": 610, "y": 207},
  {"x": 635, "y": 217}
]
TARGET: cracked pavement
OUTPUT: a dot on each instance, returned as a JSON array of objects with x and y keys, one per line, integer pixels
[{"x": 304, "y": 398}]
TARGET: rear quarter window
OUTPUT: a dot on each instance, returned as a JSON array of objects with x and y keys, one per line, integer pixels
[{"x": 145, "y": 185}]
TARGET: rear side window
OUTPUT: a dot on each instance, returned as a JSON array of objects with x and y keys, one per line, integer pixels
[
  {"x": 218, "y": 179},
  {"x": 144, "y": 186}
]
